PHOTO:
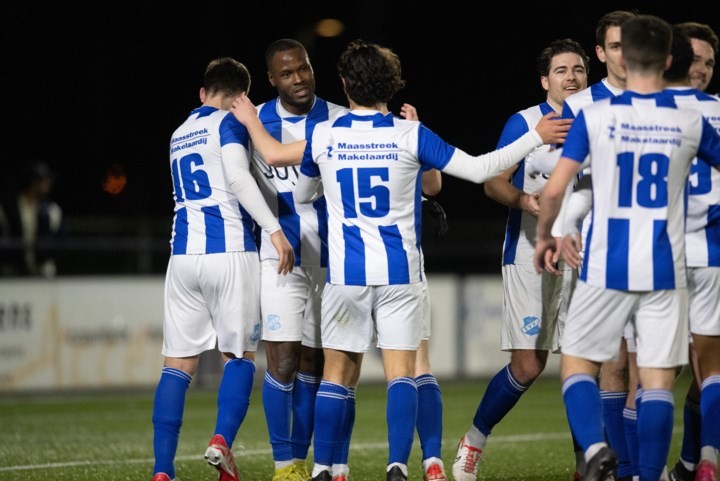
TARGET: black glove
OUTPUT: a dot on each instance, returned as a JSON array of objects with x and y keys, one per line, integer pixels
[{"x": 434, "y": 219}]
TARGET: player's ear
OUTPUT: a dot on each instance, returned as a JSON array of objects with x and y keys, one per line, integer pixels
[
  {"x": 202, "y": 94},
  {"x": 544, "y": 83},
  {"x": 270, "y": 79}
]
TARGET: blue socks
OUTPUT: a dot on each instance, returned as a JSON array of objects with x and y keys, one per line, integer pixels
[
  {"x": 234, "y": 397},
  {"x": 277, "y": 403},
  {"x": 655, "y": 424},
  {"x": 167, "y": 417},
  {"x": 690, "y": 448},
  {"x": 330, "y": 419},
  {"x": 613, "y": 406},
  {"x": 709, "y": 408},
  {"x": 631, "y": 438},
  {"x": 429, "y": 416},
  {"x": 501, "y": 395},
  {"x": 402, "y": 407},
  {"x": 303, "y": 413},
  {"x": 584, "y": 409}
]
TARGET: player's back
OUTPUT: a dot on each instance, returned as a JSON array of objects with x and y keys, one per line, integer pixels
[
  {"x": 301, "y": 223},
  {"x": 640, "y": 147},
  {"x": 208, "y": 217},
  {"x": 373, "y": 186},
  {"x": 703, "y": 210}
]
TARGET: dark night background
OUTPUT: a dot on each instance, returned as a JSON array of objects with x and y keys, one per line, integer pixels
[{"x": 98, "y": 88}]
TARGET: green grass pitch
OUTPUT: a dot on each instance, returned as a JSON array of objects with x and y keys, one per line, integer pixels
[{"x": 107, "y": 436}]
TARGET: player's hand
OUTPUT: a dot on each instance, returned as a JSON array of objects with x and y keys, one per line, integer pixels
[
  {"x": 286, "y": 255},
  {"x": 545, "y": 248},
  {"x": 409, "y": 112},
  {"x": 531, "y": 203},
  {"x": 243, "y": 109},
  {"x": 571, "y": 246},
  {"x": 553, "y": 129}
]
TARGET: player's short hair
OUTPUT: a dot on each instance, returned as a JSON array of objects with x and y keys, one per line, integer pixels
[
  {"x": 557, "y": 47},
  {"x": 700, "y": 31},
  {"x": 616, "y": 18},
  {"x": 226, "y": 76},
  {"x": 372, "y": 73},
  {"x": 281, "y": 45},
  {"x": 682, "y": 56},
  {"x": 646, "y": 42}
]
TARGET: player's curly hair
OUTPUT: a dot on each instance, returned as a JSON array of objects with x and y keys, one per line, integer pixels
[{"x": 371, "y": 72}]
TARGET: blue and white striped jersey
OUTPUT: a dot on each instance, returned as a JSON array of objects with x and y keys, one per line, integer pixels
[
  {"x": 305, "y": 225},
  {"x": 597, "y": 91},
  {"x": 702, "y": 229},
  {"x": 641, "y": 148},
  {"x": 519, "y": 247},
  {"x": 371, "y": 166},
  {"x": 208, "y": 216}
]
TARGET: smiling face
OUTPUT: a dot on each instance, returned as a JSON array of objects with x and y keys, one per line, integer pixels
[
  {"x": 291, "y": 74},
  {"x": 701, "y": 70},
  {"x": 566, "y": 75}
]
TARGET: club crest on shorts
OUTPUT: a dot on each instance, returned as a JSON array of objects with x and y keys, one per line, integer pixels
[
  {"x": 273, "y": 322},
  {"x": 257, "y": 331},
  {"x": 531, "y": 326}
]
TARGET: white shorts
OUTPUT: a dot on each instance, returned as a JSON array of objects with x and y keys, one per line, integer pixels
[
  {"x": 353, "y": 315},
  {"x": 629, "y": 335},
  {"x": 534, "y": 307},
  {"x": 426, "y": 311},
  {"x": 703, "y": 285},
  {"x": 597, "y": 318},
  {"x": 290, "y": 304},
  {"x": 211, "y": 297}
]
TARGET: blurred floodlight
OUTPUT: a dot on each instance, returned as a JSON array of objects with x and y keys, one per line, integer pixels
[
  {"x": 329, "y": 27},
  {"x": 115, "y": 179}
]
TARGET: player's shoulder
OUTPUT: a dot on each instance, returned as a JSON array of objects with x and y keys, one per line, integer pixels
[
  {"x": 579, "y": 100},
  {"x": 532, "y": 114}
]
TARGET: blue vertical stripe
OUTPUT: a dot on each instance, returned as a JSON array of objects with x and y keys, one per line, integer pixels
[
  {"x": 319, "y": 113},
  {"x": 320, "y": 206},
  {"x": 712, "y": 233},
  {"x": 354, "y": 256},
  {"x": 180, "y": 239},
  {"x": 663, "y": 265},
  {"x": 271, "y": 120},
  {"x": 290, "y": 222},
  {"x": 512, "y": 230},
  {"x": 250, "y": 236},
  {"x": 586, "y": 253},
  {"x": 214, "y": 230},
  {"x": 398, "y": 270},
  {"x": 616, "y": 273},
  {"x": 418, "y": 218}
]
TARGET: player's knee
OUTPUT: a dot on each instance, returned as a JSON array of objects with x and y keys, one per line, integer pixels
[{"x": 284, "y": 369}]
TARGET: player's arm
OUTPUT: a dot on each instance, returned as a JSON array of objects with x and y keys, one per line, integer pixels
[
  {"x": 431, "y": 182},
  {"x": 236, "y": 166},
  {"x": 483, "y": 167},
  {"x": 273, "y": 152},
  {"x": 566, "y": 228},
  {"x": 550, "y": 203},
  {"x": 431, "y": 179},
  {"x": 500, "y": 189},
  {"x": 307, "y": 189}
]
